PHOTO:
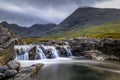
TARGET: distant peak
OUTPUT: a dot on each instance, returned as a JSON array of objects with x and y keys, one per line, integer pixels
[
  {"x": 87, "y": 7},
  {"x": 37, "y": 24},
  {"x": 4, "y": 22}
]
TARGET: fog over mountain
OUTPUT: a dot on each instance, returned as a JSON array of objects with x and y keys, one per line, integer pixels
[{"x": 29, "y": 12}]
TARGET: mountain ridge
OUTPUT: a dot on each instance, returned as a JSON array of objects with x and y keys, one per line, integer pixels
[
  {"x": 87, "y": 17},
  {"x": 25, "y": 32},
  {"x": 80, "y": 19}
]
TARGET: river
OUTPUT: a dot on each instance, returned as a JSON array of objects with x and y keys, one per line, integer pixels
[{"x": 75, "y": 69}]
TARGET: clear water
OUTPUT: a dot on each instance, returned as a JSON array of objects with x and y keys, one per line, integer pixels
[
  {"x": 75, "y": 72},
  {"x": 40, "y": 53},
  {"x": 72, "y": 69}
]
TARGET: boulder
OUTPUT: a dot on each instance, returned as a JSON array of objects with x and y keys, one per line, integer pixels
[
  {"x": 10, "y": 73},
  {"x": 27, "y": 72},
  {"x": 14, "y": 65},
  {"x": 2, "y": 76},
  {"x": 106, "y": 46},
  {"x": 3, "y": 68},
  {"x": 111, "y": 47},
  {"x": 32, "y": 53},
  {"x": 96, "y": 55},
  {"x": 83, "y": 44},
  {"x": 112, "y": 57},
  {"x": 10, "y": 79}
]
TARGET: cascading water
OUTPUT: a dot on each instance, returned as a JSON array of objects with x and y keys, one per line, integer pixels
[
  {"x": 23, "y": 52},
  {"x": 40, "y": 53},
  {"x": 53, "y": 51},
  {"x": 22, "y": 56},
  {"x": 68, "y": 51}
]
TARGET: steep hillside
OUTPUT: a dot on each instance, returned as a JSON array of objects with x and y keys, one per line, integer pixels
[
  {"x": 108, "y": 30},
  {"x": 86, "y": 17},
  {"x": 37, "y": 30},
  {"x": 27, "y": 32}
]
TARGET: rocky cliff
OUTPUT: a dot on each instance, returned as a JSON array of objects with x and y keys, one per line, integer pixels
[
  {"x": 107, "y": 48},
  {"x": 7, "y": 42}
]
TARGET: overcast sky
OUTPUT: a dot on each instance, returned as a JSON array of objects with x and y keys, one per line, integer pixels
[{"x": 28, "y": 12}]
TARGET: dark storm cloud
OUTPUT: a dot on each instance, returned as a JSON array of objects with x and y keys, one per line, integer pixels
[
  {"x": 28, "y": 12},
  {"x": 20, "y": 19}
]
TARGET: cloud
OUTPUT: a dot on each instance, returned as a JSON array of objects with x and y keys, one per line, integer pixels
[
  {"x": 109, "y": 4},
  {"x": 28, "y": 12}
]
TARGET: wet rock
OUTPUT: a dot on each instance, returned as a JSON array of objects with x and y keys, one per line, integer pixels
[
  {"x": 32, "y": 53},
  {"x": 83, "y": 44},
  {"x": 95, "y": 54},
  {"x": 14, "y": 65},
  {"x": 106, "y": 46},
  {"x": 112, "y": 57},
  {"x": 2, "y": 76},
  {"x": 62, "y": 51},
  {"x": 10, "y": 73},
  {"x": 27, "y": 72},
  {"x": 48, "y": 53},
  {"x": 3, "y": 68},
  {"x": 111, "y": 47},
  {"x": 10, "y": 79},
  {"x": 51, "y": 42}
]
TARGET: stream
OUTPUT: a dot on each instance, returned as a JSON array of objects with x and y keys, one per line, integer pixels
[{"x": 75, "y": 69}]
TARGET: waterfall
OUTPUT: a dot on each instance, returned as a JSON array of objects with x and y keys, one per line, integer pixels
[
  {"x": 23, "y": 47},
  {"x": 53, "y": 51},
  {"x": 35, "y": 52},
  {"x": 23, "y": 52},
  {"x": 68, "y": 51},
  {"x": 22, "y": 56},
  {"x": 40, "y": 53}
]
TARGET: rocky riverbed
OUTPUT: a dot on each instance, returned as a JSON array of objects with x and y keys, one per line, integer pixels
[
  {"x": 93, "y": 49},
  {"x": 105, "y": 48},
  {"x": 14, "y": 71},
  {"x": 97, "y": 49}
]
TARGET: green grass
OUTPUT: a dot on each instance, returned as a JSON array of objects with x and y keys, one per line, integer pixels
[
  {"x": 108, "y": 30},
  {"x": 32, "y": 40}
]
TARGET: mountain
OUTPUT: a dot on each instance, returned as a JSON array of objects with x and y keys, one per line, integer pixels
[
  {"x": 27, "y": 32},
  {"x": 83, "y": 18},
  {"x": 75, "y": 25},
  {"x": 108, "y": 30}
]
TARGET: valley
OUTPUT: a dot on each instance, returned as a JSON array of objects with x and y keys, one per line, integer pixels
[{"x": 84, "y": 46}]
